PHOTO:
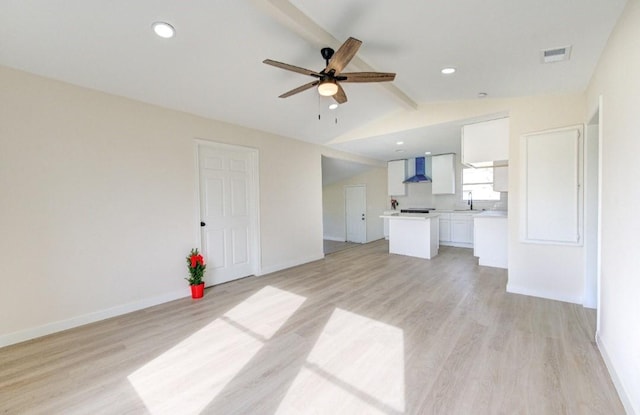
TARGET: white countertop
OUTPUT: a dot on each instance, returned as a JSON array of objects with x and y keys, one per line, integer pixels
[
  {"x": 457, "y": 211},
  {"x": 492, "y": 214},
  {"x": 411, "y": 216}
]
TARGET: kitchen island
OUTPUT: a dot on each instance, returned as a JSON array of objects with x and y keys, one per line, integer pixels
[{"x": 413, "y": 234}]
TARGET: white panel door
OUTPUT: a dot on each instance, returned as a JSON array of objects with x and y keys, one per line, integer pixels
[
  {"x": 226, "y": 186},
  {"x": 355, "y": 213}
]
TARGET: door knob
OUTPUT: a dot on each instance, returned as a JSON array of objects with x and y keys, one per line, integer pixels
[{"x": 203, "y": 224}]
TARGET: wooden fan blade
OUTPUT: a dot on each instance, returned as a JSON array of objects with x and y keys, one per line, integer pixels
[
  {"x": 300, "y": 89},
  {"x": 343, "y": 56},
  {"x": 291, "y": 68},
  {"x": 367, "y": 77},
  {"x": 340, "y": 96}
]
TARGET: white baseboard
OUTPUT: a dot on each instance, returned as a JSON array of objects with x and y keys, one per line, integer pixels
[
  {"x": 550, "y": 295},
  {"x": 456, "y": 244},
  {"x": 284, "y": 265},
  {"x": 56, "y": 326},
  {"x": 622, "y": 392},
  {"x": 334, "y": 238}
]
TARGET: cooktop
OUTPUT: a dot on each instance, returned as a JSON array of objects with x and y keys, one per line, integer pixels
[{"x": 416, "y": 210}]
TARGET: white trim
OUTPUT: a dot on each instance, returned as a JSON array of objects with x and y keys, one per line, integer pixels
[
  {"x": 588, "y": 243},
  {"x": 550, "y": 295},
  {"x": 366, "y": 213},
  {"x": 289, "y": 264},
  {"x": 456, "y": 244},
  {"x": 600, "y": 147},
  {"x": 254, "y": 154},
  {"x": 57, "y": 326},
  {"x": 617, "y": 382},
  {"x": 334, "y": 238}
]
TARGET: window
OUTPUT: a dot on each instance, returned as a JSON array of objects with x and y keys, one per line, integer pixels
[{"x": 480, "y": 183}]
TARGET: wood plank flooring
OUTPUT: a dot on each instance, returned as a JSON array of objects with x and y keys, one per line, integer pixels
[
  {"x": 336, "y": 246},
  {"x": 360, "y": 332}
]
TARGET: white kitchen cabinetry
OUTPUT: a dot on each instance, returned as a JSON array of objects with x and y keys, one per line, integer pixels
[
  {"x": 501, "y": 179},
  {"x": 486, "y": 143},
  {"x": 491, "y": 237},
  {"x": 443, "y": 174},
  {"x": 462, "y": 229},
  {"x": 456, "y": 229},
  {"x": 396, "y": 175},
  {"x": 385, "y": 224},
  {"x": 445, "y": 228}
]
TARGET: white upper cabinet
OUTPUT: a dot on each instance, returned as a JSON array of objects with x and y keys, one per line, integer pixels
[
  {"x": 443, "y": 174},
  {"x": 396, "y": 175},
  {"x": 501, "y": 179},
  {"x": 486, "y": 143}
]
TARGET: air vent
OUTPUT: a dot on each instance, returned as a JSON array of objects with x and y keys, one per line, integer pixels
[{"x": 555, "y": 55}]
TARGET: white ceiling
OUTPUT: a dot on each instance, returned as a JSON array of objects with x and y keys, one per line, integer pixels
[
  {"x": 213, "y": 67},
  {"x": 335, "y": 170}
]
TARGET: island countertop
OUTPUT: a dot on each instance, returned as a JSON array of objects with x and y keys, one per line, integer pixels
[{"x": 411, "y": 216}]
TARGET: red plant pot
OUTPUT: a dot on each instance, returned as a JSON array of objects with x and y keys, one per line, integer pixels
[{"x": 197, "y": 291}]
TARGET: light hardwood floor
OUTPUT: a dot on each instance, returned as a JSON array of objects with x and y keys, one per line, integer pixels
[
  {"x": 336, "y": 246},
  {"x": 360, "y": 332}
]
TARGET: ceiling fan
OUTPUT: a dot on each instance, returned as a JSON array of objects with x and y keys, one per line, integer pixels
[{"x": 328, "y": 80}]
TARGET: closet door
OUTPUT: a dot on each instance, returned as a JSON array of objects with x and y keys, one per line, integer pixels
[{"x": 551, "y": 184}]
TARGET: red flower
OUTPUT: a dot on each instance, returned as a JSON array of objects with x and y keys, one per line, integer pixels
[{"x": 196, "y": 259}]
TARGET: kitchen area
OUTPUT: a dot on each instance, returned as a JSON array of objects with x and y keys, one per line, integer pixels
[{"x": 456, "y": 199}]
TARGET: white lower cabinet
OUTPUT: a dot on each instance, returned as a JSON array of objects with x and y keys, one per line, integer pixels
[
  {"x": 462, "y": 231},
  {"x": 491, "y": 240},
  {"x": 456, "y": 229},
  {"x": 445, "y": 229}
]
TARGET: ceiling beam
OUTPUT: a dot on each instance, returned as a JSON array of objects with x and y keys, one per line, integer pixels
[{"x": 291, "y": 17}]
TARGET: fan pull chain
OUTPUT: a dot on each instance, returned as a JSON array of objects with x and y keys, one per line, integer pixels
[{"x": 318, "y": 107}]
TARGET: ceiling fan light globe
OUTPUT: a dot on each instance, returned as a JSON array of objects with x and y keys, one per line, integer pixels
[{"x": 328, "y": 89}]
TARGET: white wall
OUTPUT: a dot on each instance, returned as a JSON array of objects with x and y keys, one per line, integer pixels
[
  {"x": 333, "y": 204},
  {"x": 617, "y": 79},
  {"x": 418, "y": 195},
  {"x": 98, "y": 207}
]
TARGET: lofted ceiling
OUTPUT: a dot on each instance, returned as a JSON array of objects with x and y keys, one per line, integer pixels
[{"x": 213, "y": 66}]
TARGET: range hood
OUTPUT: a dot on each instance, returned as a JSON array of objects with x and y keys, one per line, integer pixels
[{"x": 420, "y": 175}]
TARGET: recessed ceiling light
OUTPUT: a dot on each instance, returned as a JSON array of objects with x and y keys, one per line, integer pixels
[
  {"x": 427, "y": 152},
  {"x": 448, "y": 71},
  {"x": 399, "y": 150},
  {"x": 482, "y": 94},
  {"x": 333, "y": 106},
  {"x": 164, "y": 30},
  {"x": 399, "y": 143}
]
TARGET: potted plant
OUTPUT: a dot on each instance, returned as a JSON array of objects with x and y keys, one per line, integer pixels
[{"x": 196, "y": 265}]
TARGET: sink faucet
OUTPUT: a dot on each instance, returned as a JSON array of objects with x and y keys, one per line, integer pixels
[{"x": 470, "y": 201}]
